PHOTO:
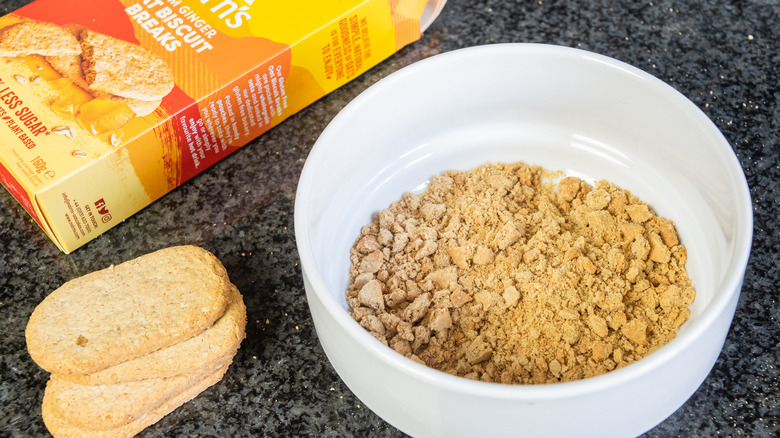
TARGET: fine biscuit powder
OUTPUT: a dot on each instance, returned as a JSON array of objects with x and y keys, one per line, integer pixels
[
  {"x": 117, "y": 67},
  {"x": 219, "y": 341},
  {"x": 122, "y": 312},
  {"x": 63, "y": 428},
  {"x": 37, "y": 38}
]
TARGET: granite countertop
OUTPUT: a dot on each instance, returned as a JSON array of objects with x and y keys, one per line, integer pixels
[{"x": 723, "y": 55}]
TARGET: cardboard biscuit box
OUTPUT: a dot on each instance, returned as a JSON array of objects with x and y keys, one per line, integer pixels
[{"x": 107, "y": 105}]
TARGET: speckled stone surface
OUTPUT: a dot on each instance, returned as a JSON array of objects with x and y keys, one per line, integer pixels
[{"x": 723, "y": 55}]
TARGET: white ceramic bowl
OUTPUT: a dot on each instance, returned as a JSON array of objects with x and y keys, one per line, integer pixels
[{"x": 561, "y": 108}]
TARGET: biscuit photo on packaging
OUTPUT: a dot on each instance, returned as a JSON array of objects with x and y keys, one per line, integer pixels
[
  {"x": 70, "y": 66},
  {"x": 123, "y": 69},
  {"x": 37, "y": 38},
  {"x": 108, "y": 68}
]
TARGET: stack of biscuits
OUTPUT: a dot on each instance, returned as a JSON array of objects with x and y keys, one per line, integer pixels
[
  {"x": 129, "y": 344},
  {"x": 108, "y": 68}
]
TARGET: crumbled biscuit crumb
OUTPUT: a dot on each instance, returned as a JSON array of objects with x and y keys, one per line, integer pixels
[{"x": 496, "y": 275}]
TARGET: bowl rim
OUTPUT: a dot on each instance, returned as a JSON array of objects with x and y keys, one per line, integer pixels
[{"x": 726, "y": 291}]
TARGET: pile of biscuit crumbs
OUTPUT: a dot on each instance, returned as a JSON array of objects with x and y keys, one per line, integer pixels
[{"x": 495, "y": 275}]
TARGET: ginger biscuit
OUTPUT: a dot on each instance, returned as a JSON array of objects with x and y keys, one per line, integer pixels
[
  {"x": 64, "y": 428},
  {"x": 210, "y": 347},
  {"x": 37, "y": 38},
  {"x": 70, "y": 67},
  {"x": 122, "y": 312},
  {"x": 74, "y": 29},
  {"x": 117, "y": 67},
  {"x": 113, "y": 405}
]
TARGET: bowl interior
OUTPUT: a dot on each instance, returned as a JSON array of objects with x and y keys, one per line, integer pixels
[{"x": 564, "y": 109}]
